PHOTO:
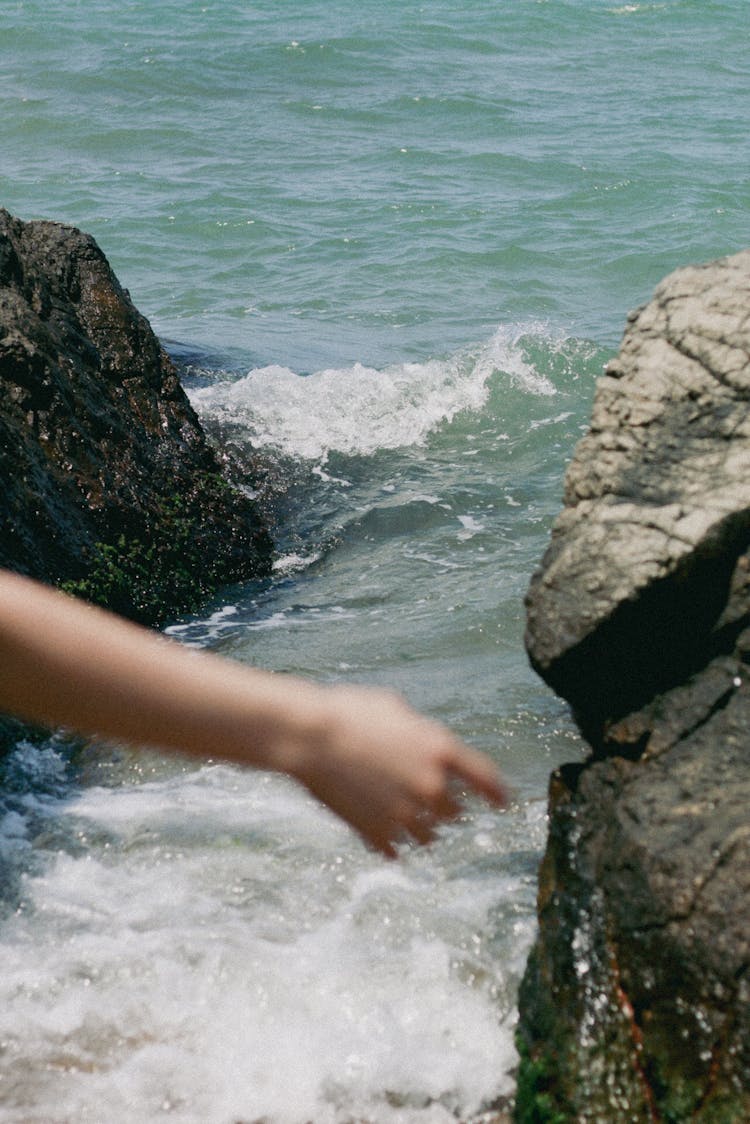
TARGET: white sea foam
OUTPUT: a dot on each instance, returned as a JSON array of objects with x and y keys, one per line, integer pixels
[
  {"x": 541, "y": 423},
  {"x": 227, "y": 952},
  {"x": 293, "y": 563},
  {"x": 359, "y": 409},
  {"x": 470, "y": 526},
  {"x": 218, "y": 618}
]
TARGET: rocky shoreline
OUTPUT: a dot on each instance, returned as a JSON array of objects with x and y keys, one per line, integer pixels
[
  {"x": 635, "y": 1005},
  {"x": 110, "y": 487}
]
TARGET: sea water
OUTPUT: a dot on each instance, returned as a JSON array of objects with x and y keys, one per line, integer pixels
[{"x": 390, "y": 248}]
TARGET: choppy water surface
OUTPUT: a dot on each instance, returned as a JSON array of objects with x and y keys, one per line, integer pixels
[
  {"x": 391, "y": 249},
  {"x": 211, "y": 944}
]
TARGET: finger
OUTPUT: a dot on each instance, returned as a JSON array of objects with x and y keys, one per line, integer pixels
[
  {"x": 414, "y": 823},
  {"x": 446, "y": 805},
  {"x": 482, "y": 776},
  {"x": 382, "y": 844},
  {"x": 438, "y": 793},
  {"x": 379, "y": 840},
  {"x": 422, "y": 828}
]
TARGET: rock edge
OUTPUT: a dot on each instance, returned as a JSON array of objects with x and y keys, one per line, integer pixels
[
  {"x": 109, "y": 486},
  {"x": 635, "y": 1005}
]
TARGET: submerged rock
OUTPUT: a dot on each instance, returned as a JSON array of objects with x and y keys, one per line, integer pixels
[
  {"x": 636, "y": 1001},
  {"x": 107, "y": 483}
]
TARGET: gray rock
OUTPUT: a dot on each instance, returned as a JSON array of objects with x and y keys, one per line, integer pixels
[
  {"x": 657, "y": 503},
  {"x": 107, "y": 482},
  {"x": 636, "y": 1000}
]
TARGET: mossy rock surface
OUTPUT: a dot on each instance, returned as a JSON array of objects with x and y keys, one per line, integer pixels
[{"x": 108, "y": 485}]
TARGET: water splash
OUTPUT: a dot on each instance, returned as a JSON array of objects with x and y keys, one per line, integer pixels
[
  {"x": 180, "y": 965},
  {"x": 359, "y": 409}
]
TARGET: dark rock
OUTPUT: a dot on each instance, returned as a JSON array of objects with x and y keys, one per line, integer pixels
[
  {"x": 108, "y": 484},
  {"x": 636, "y": 1001}
]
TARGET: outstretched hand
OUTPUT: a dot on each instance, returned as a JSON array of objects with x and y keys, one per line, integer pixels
[{"x": 389, "y": 771}]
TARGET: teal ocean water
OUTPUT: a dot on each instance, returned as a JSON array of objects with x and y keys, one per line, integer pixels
[{"x": 391, "y": 248}]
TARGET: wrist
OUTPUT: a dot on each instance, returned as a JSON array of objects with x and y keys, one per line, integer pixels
[{"x": 295, "y": 727}]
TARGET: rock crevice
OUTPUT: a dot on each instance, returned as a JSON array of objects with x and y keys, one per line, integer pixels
[{"x": 636, "y": 1001}]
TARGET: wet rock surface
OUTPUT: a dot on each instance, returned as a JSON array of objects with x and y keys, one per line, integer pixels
[
  {"x": 107, "y": 482},
  {"x": 636, "y": 1001}
]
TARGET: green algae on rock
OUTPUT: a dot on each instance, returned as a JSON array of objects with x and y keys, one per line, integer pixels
[{"x": 109, "y": 485}]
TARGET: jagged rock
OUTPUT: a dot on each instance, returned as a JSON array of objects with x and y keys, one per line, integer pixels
[
  {"x": 636, "y": 1001},
  {"x": 107, "y": 482}
]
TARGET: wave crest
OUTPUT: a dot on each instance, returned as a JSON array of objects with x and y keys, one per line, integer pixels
[{"x": 358, "y": 409}]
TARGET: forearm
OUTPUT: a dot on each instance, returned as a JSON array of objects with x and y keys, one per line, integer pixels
[
  {"x": 381, "y": 766},
  {"x": 66, "y": 663}
]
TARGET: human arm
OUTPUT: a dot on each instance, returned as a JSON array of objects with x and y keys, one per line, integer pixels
[{"x": 384, "y": 768}]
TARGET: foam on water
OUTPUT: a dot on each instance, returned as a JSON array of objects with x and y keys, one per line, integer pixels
[
  {"x": 302, "y": 185},
  {"x": 213, "y": 946},
  {"x": 360, "y": 410}
]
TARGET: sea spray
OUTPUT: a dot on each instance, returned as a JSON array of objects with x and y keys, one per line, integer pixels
[
  {"x": 212, "y": 944},
  {"x": 358, "y": 409}
]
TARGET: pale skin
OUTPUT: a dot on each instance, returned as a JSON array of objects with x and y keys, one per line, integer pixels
[{"x": 387, "y": 770}]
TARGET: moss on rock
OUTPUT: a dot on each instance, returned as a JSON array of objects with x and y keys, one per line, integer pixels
[{"x": 108, "y": 485}]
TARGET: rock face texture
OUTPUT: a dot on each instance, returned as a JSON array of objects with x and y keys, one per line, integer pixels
[
  {"x": 107, "y": 482},
  {"x": 636, "y": 1001}
]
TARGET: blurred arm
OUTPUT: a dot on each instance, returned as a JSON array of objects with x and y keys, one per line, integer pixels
[{"x": 373, "y": 760}]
